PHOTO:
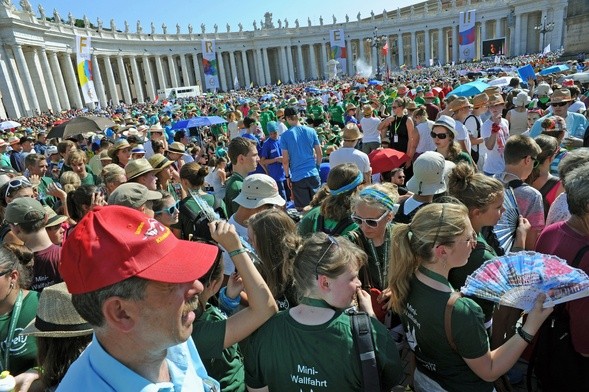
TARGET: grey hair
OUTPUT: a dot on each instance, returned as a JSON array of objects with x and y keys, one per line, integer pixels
[
  {"x": 571, "y": 161},
  {"x": 577, "y": 190}
]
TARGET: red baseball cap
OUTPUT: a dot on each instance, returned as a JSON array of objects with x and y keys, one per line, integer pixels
[{"x": 113, "y": 243}]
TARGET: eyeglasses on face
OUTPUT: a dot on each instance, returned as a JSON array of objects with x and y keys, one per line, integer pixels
[
  {"x": 440, "y": 136},
  {"x": 370, "y": 222},
  {"x": 332, "y": 242},
  {"x": 170, "y": 210},
  {"x": 559, "y": 104},
  {"x": 17, "y": 184},
  {"x": 536, "y": 161}
]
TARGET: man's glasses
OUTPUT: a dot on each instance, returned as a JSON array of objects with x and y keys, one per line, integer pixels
[
  {"x": 559, "y": 104},
  {"x": 17, "y": 184},
  {"x": 440, "y": 136},
  {"x": 332, "y": 242},
  {"x": 536, "y": 161},
  {"x": 370, "y": 222},
  {"x": 170, "y": 210}
]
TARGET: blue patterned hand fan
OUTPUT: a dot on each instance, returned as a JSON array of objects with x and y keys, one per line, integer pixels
[
  {"x": 516, "y": 280},
  {"x": 506, "y": 227}
]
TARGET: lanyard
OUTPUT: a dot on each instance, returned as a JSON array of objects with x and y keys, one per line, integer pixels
[
  {"x": 381, "y": 267},
  {"x": 397, "y": 123},
  {"x": 318, "y": 303},
  {"x": 435, "y": 276},
  {"x": 11, "y": 329}
]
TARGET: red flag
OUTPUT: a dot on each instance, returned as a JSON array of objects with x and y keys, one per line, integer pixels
[{"x": 385, "y": 49}]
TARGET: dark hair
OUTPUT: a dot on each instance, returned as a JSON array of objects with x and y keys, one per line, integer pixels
[
  {"x": 55, "y": 355},
  {"x": 549, "y": 146},
  {"x": 248, "y": 121},
  {"x": 78, "y": 198},
  {"x": 179, "y": 135},
  {"x": 474, "y": 190},
  {"x": 194, "y": 173},
  {"x": 239, "y": 146},
  {"x": 158, "y": 204}
]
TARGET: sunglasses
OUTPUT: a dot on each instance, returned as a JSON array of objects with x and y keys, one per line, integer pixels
[
  {"x": 370, "y": 222},
  {"x": 332, "y": 242},
  {"x": 559, "y": 104},
  {"x": 536, "y": 161},
  {"x": 440, "y": 136},
  {"x": 170, "y": 210},
  {"x": 17, "y": 184}
]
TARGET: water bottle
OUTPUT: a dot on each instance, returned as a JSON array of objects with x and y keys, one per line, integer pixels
[{"x": 7, "y": 382}]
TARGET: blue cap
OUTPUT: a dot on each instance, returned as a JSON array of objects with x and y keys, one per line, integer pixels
[{"x": 272, "y": 126}]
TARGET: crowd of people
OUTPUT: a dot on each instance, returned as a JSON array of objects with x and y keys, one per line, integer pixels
[{"x": 154, "y": 257}]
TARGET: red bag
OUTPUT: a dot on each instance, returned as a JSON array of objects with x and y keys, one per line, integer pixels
[{"x": 376, "y": 306}]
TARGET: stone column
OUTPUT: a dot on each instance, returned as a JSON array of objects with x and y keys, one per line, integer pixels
[
  {"x": 259, "y": 65},
  {"x": 400, "y": 48},
  {"x": 246, "y": 70},
  {"x": 428, "y": 49},
  {"x": 414, "y": 54},
  {"x": 59, "y": 82},
  {"x": 39, "y": 80},
  {"x": 323, "y": 61},
  {"x": 185, "y": 74},
  {"x": 483, "y": 31},
  {"x": 524, "y": 36},
  {"x": 300, "y": 63},
  {"x": 172, "y": 70},
  {"x": 112, "y": 85},
  {"x": 71, "y": 81},
  {"x": 26, "y": 76},
  {"x": 313, "y": 61},
  {"x": 123, "y": 79},
  {"x": 517, "y": 49},
  {"x": 197, "y": 71},
  {"x": 361, "y": 44},
  {"x": 285, "y": 65},
  {"x": 441, "y": 46},
  {"x": 233, "y": 69},
  {"x": 98, "y": 85},
  {"x": 267, "y": 74},
  {"x": 455, "y": 44},
  {"x": 161, "y": 77},
  {"x": 291, "y": 65},
  {"x": 137, "y": 80},
  {"x": 9, "y": 92},
  {"x": 149, "y": 85},
  {"x": 498, "y": 28},
  {"x": 373, "y": 54},
  {"x": 557, "y": 39},
  {"x": 349, "y": 59},
  {"x": 54, "y": 98},
  {"x": 222, "y": 74}
]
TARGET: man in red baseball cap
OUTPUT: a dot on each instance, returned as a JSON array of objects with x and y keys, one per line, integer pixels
[{"x": 137, "y": 285}]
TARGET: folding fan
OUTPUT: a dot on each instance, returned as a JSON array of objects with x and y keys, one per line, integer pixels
[
  {"x": 516, "y": 280},
  {"x": 506, "y": 227}
]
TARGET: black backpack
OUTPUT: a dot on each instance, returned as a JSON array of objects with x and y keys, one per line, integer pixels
[
  {"x": 558, "y": 367},
  {"x": 197, "y": 228}
]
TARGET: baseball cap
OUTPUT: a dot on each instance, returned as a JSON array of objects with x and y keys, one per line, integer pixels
[
  {"x": 52, "y": 218},
  {"x": 257, "y": 190},
  {"x": 132, "y": 194},
  {"x": 51, "y": 150},
  {"x": 113, "y": 243},
  {"x": 7, "y": 169},
  {"x": 23, "y": 210},
  {"x": 428, "y": 174}
]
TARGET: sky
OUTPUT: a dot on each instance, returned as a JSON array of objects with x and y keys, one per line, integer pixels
[{"x": 218, "y": 12}]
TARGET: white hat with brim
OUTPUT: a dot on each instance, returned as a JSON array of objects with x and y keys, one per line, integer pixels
[
  {"x": 258, "y": 190},
  {"x": 428, "y": 174}
]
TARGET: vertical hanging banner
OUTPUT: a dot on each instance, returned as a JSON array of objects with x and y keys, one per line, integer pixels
[
  {"x": 338, "y": 48},
  {"x": 84, "y": 65},
  {"x": 209, "y": 64},
  {"x": 467, "y": 35}
]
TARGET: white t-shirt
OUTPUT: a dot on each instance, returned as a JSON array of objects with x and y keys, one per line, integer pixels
[
  {"x": 370, "y": 129},
  {"x": 232, "y": 129},
  {"x": 462, "y": 136},
  {"x": 281, "y": 128},
  {"x": 494, "y": 161},
  {"x": 426, "y": 143},
  {"x": 350, "y": 155}
]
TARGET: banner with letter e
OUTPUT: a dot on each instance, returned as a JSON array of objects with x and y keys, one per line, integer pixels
[
  {"x": 338, "y": 48},
  {"x": 84, "y": 66},
  {"x": 467, "y": 35},
  {"x": 209, "y": 64}
]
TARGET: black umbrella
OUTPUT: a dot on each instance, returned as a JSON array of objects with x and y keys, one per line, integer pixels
[{"x": 79, "y": 125}]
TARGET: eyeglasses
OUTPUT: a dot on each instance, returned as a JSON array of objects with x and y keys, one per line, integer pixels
[
  {"x": 395, "y": 107},
  {"x": 332, "y": 242},
  {"x": 440, "y": 136},
  {"x": 17, "y": 184},
  {"x": 536, "y": 161},
  {"x": 370, "y": 222},
  {"x": 170, "y": 210},
  {"x": 559, "y": 104},
  {"x": 472, "y": 240}
]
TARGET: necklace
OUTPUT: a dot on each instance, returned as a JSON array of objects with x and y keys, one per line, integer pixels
[
  {"x": 435, "y": 276},
  {"x": 381, "y": 267},
  {"x": 316, "y": 302}
]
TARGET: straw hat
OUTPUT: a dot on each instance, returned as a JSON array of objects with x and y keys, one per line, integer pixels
[
  {"x": 56, "y": 315},
  {"x": 561, "y": 95},
  {"x": 480, "y": 100},
  {"x": 351, "y": 132},
  {"x": 411, "y": 105},
  {"x": 52, "y": 218},
  {"x": 350, "y": 106},
  {"x": 159, "y": 162},
  {"x": 177, "y": 147},
  {"x": 459, "y": 103},
  {"x": 13, "y": 140},
  {"x": 119, "y": 145},
  {"x": 138, "y": 167},
  {"x": 496, "y": 99},
  {"x": 492, "y": 90},
  {"x": 156, "y": 128},
  {"x": 367, "y": 110}
]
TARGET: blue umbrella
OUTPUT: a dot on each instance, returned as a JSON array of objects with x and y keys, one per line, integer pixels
[
  {"x": 469, "y": 89},
  {"x": 205, "y": 121},
  {"x": 554, "y": 69},
  {"x": 375, "y": 82}
]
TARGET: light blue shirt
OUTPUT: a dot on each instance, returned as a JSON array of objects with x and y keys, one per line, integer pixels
[
  {"x": 576, "y": 125},
  {"x": 97, "y": 370},
  {"x": 300, "y": 141}
]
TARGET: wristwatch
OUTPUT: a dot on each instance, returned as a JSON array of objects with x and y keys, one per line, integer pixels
[{"x": 524, "y": 335}]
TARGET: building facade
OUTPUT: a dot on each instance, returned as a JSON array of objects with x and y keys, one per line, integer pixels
[{"x": 38, "y": 60}]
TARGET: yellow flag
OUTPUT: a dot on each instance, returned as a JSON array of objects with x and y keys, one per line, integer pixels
[{"x": 279, "y": 82}]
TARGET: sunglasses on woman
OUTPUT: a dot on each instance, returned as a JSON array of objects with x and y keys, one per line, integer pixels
[
  {"x": 370, "y": 222},
  {"x": 440, "y": 136},
  {"x": 17, "y": 184},
  {"x": 170, "y": 210}
]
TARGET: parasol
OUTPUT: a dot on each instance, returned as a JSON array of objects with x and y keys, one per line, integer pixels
[
  {"x": 386, "y": 159},
  {"x": 78, "y": 125}
]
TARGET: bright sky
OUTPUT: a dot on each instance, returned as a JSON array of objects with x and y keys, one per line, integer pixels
[{"x": 218, "y": 12}]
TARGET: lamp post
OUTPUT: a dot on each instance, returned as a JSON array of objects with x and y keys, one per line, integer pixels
[
  {"x": 375, "y": 42},
  {"x": 544, "y": 28}
]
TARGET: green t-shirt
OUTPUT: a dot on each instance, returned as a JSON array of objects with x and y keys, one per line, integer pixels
[
  {"x": 265, "y": 117},
  {"x": 224, "y": 365},
  {"x": 464, "y": 157},
  {"x": 315, "y": 112},
  {"x": 336, "y": 112},
  {"x": 288, "y": 356},
  {"x": 232, "y": 190},
  {"x": 23, "y": 350},
  {"x": 308, "y": 225},
  {"x": 90, "y": 179},
  {"x": 457, "y": 277},
  {"x": 423, "y": 321}
]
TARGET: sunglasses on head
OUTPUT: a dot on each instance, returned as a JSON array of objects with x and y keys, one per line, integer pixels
[
  {"x": 440, "y": 136},
  {"x": 370, "y": 222},
  {"x": 332, "y": 241},
  {"x": 559, "y": 104},
  {"x": 17, "y": 184},
  {"x": 170, "y": 210}
]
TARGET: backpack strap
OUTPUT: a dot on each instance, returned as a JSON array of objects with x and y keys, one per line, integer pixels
[
  {"x": 580, "y": 253},
  {"x": 448, "y": 318},
  {"x": 515, "y": 183},
  {"x": 362, "y": 333},
  {"x": 337, "y": 230}
]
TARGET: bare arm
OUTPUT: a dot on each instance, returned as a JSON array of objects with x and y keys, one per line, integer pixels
[
  {"x": 262, "y": 305},
  {"x": 413, "y": 138},
  {"x": 318, "y": 154}
]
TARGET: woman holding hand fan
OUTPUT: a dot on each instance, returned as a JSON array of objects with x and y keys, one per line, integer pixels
[{"x": 456, "y": 358}]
